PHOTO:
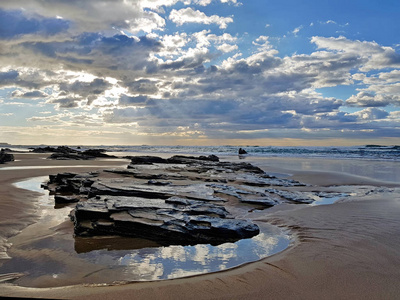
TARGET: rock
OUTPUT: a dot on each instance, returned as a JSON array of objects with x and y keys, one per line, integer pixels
[
  {"x": 60, "y": 149},
  {"x": 242, "y": 151},
  {"x": 70, "y": 183},
  {"x": 97, "y": 153},
  {"x": 5, "y": 157},
  {"x": 146, "y": 160},
  {"x": 128, "y": 187},
  {"x": 182, "y": 159},
  {"x": 143, "y": 175},
  {"x": 65, "y": 199},
  {"x": 297, "y": 197},
  {"x": 69, "y": 156},
  {"x": 180, "y": 200},
  {"x": 66, "y": 153},
  {"x": 167, "y": 222}
]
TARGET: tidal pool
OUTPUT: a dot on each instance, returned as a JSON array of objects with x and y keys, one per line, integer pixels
[{"x": 49, "y": 254}]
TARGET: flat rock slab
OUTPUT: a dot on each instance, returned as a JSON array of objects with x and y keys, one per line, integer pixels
[
  {"x": 180, "y": 200},
  {"x": 168, "y": 222}
]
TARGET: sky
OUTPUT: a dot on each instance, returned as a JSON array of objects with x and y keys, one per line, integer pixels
[{"x": 200, "y": 72}]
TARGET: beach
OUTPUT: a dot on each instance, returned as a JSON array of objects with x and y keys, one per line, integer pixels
[{"x": 347, "y": 250}]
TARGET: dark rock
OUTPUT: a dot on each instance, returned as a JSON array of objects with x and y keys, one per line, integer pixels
[
  {"x": 70, "y": 183},
  {"x": 65, "y": 199},
  {"x": 47, "y": 149},
  {"x": 142, "y": 175},
  {"x": 5, "y": 157},
  {"x": 167, "y": 222},
  {"x": 169, "y": 201},
  {"x": 66, "y": 153},
  {"x": 242, "y": 151},
  {"x": 69, "y": 156},
  {"x": 182, "y": 159},
  {"x": 130, "y": 188},
  {"x": 60, "y": 178},
  {"x": 146, "y": 160},
  {"x": 97, "y": 153}
]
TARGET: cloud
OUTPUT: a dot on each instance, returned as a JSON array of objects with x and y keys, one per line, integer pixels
[
  {"x": 227, "y": 48},
  {"x": 65, "y": 102},
  {"x": 297, "y": 30},
  {"x": 126, "y": 100},
  {"x": 366, "y": 99},
  {"x": 14, "y": 24},
  {"x": 28, "y": 94},
  {"x": 125, "y": 62},
  {"x": 189, "y": 15},
  {"x": 84, "y": 16},
  {"x": 371, "y": 113},
  {"x": 8, "y": 77},
  {"x": 84, "y": 90},
  {"x": 372, "y": 55}
]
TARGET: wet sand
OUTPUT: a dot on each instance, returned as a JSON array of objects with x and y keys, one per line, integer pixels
[{"x": 348, "y": 250}]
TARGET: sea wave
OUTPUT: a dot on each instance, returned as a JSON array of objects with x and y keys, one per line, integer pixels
[{"x": 372, "y": 152}]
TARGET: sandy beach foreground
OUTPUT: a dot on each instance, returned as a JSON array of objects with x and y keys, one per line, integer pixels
[{"x": 348, "y": 250}]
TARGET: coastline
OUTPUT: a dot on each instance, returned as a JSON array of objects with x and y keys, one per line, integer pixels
[{"x": 345, "y": 250}]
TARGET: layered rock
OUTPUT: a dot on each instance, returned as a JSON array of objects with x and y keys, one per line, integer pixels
[
  {"x": 171, "y": 221},
  {"x": 179, "y": 200}
]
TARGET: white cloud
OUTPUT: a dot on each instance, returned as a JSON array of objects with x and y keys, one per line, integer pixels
[
  {"x": 367, "y": 99},
  {"x": 189, "y": 15},
  {"x": 297, "y": 30},
  {"x": 373, "y": 55},
  {"x": 371, "y": 113},
  {"x": 202, "y": 2},
  {"x": 227, "y": 48}
]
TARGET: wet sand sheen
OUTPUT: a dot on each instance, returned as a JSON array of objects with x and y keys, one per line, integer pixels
[{"x": 345, "y": 250}]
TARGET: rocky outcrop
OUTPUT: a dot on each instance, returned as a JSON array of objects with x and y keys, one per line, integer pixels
[
  {"x": 97, "y": 153},
  {"x": 48, "y": 149},
  {"x": 66, "y": 153},
  {"x": 69, "y": 156},
  {"x": 5, "y": 157},
  {"x": 167, "y": 221},
  {"x": 176, "y": 159},
  {"x": 179, "y": 200},
  {"x": 242, "y": 151}
]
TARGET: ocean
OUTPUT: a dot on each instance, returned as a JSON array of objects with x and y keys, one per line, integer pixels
[{"x": 368, "y": 152}]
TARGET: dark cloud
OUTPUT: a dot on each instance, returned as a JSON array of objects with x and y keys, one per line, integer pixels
[
  {"x": 14, "y": 23},
  {"x": 30, "y": 94},
  {"x": 65, "y": 102},
  {"x": 9, "y": 77},
  {"x": 96, "y": 51},
  {"x": 140, "y": 86},
  {"x": 126, "y": 100},
  {"x": 85, "y": 89}
]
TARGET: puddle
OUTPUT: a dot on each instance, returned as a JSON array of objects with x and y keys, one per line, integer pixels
[
  {"x": 50, "y": 256},
  {"x": 327, "y": 198},
  {"x": 47, "y": 167}
]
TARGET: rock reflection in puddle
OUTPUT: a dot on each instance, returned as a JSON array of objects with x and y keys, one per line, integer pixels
[
  {"x": 115, "y": 259},
  {"x": 155, "y": 263}
]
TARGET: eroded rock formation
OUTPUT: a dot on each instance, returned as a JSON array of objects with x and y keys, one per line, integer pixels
[{"x": 179, "y": 200}]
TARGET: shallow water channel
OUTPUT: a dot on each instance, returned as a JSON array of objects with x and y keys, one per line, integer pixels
[{"x": 49, "y": 254}]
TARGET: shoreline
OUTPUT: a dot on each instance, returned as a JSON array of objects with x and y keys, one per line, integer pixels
[{"x": 322, "y": 253}]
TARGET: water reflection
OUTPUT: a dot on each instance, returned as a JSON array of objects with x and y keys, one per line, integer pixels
[{"x": 179, "y": 261}]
